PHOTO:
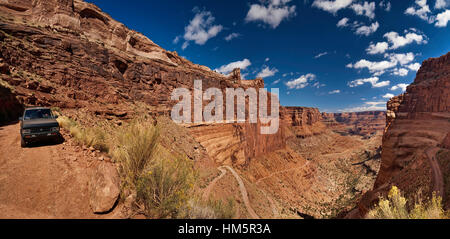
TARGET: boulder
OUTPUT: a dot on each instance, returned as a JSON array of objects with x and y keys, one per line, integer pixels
[{"x": 104, "y": 188}]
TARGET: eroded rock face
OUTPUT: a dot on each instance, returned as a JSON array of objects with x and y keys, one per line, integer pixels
[
  {"x": 302, "y": 121},
  {"x": 239, "y": 143},
  {"x": 361, "y": 123},
  {"x": 104, "y": 188},
  {"x": 418, "y": 123},
  {"x": 10, "y": 107},
  {"x": 92, "y": 60}
]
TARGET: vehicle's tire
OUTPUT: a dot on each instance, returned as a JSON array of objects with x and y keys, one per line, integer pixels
[{"x": 23, "y": 144}]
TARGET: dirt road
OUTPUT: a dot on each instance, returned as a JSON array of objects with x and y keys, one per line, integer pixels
[
  {"x": 244, "y": 193},
  {"x": 213, "y": 183},
  {"x": 438, "y": 180},
  {"x": 46, "y": 181}
]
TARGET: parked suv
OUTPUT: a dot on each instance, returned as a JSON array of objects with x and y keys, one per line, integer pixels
[{"x": 38, "y": 124}]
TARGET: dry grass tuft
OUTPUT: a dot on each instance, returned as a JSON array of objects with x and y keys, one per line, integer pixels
[
  {"x": 91, "y": 137},
  {"x": 134, "y": 148}
]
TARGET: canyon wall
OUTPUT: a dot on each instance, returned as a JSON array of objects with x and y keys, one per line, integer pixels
[
  {"x": 361, "y": 123},
  {"x": 90, "y": 59},
  {"x": 414, "y": 151},
  {"x": 239, "y": 143},
  {"x": 301, "y": 121}
]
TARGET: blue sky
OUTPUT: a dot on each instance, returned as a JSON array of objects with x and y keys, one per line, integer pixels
[{"x": 339, "y": 55}]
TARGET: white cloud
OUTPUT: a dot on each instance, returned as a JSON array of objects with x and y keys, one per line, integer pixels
[
  {"x": 301, "y": 82},
  {"x": 334, "y": 92},
  {"x": 414, "y": 66},
  {"x": 400, "y": 72},
  {"x": 320, "y": 55},
  {"x": 401, "y": 58},
  {"x": 317, "y": 85},
  {"x": 201, "y": 28},
  {"x": 185, "y": 45},
  {"x": 367, "y": 30},
  {"x": 232, "y": 36},
  {"x": 358, "y": 27},
  {"x": 271, "y": 12},
  {"x": 176, "y": 40},
  {"x": 401, "y": 86},
  {"x": 368, "y": 106},
  {"x": 276, "y": 82},
  {"x": 374, "y": 81},
  {"x": 225, "y": 69},
  {"x": 377, "y": 48},
  {"x": 388, "y": 96},
  {"x": 439, "y": 4},
  {"x": 332, "y": 6},
  {"x": 421, "y": 10},
  {"x": 367, "y": 9},
  {"x": 343, "y": 22},
  {"x": 385, "y": 5},
  {"x": 442, "y": 18},
  {"x": 267, "y": 72},
  {"x": 398, "y": 41},
  {"x": 373, "y": 67},
  {"x": 378, "y": 68}
]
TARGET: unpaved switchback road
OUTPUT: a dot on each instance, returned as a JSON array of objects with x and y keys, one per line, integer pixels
[
  {"x": 213, "y": 183},
  {"x": 438, "y": 179},
  {"x": 242, "y": 189},
  {"x": 244, "y": 193},
  {"x": 48, "y": 181}
]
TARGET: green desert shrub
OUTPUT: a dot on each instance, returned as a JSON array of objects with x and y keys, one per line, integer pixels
[
  {"x": 134, "y": 148},
  {"x": 166, "y": 187},
  {"x": 395, "y": 207}
]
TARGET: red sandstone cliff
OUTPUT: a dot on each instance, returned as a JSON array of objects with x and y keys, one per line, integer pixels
[
  {"x": 81, "y": 57},
  {"x": 414, "y": 157},
  {"x": 362, "y": 123},
  {"x": 302, "y": 121}
]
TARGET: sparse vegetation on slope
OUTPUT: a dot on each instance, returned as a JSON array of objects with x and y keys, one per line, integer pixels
[
  {"x": 165, "y": 187},
  {"x": 395, "y": 207},
  {"x": 134, "y": 148},
  {"x": 163, "y": 180},
  {"x": 210, "y": 209},
  {"x": 91, "y": 137},
  {"x": 443, "y": 157}
]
